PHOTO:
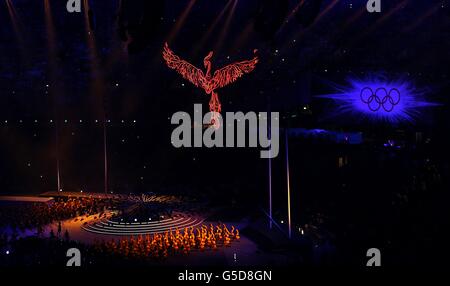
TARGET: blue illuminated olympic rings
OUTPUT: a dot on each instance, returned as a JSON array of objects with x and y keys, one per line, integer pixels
[{"x": 381, "y": 98}]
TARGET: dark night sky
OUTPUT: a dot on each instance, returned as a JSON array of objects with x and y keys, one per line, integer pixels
[{"x": 410, "y": 37}]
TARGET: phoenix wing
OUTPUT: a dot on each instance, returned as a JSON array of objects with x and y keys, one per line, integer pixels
[
  {"x": 231, "y": 73},
  {"x": 187, "y": 70}
]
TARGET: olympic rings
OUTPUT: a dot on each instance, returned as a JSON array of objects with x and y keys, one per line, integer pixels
[{"x": 380, "y": 99}]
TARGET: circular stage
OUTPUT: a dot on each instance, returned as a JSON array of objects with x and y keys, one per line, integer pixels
[{"x": 114, "y": 226}]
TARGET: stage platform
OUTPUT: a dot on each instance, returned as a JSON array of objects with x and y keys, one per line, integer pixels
[
  {"x": 81, "y": 195},
  {"x": 26, "y": 199}
]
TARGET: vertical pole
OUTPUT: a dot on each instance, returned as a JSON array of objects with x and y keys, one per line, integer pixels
[
  {"x": 105, "y": 153},
  {"x": 288, "y": 182},
  {"x": 58, "y": 174},
  {"x": 270, "y": 175}
]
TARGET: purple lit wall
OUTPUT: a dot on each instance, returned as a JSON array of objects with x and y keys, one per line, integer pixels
[{"x": 380, "y": 99}]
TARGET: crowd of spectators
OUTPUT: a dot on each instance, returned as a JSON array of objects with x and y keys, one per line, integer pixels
[{"x": 36, "y": 215}]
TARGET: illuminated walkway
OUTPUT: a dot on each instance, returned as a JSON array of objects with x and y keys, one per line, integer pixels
[{"x": 116, "y": 227}]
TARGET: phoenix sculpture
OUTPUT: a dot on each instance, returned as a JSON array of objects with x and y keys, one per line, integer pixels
[{"x": 209, "y": 82}]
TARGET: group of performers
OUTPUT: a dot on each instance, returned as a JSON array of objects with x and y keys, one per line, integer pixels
[{"x": 161, "y": 245}]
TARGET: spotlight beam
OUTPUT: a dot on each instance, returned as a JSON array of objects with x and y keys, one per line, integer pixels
[
  {"x": 322, "y": 14},
  {"x": 349, "y": 22},
  {"x": 54, "y": 87},
  {"x": 379, "y": 22},
  {"x": 18, "y": 30},
  {"x": 180, "y": 22},
  {"x": 291, "y": 15},
  {"x": 288, "y": 184},
  {"x": 212, "y": 27},
  {"x": 50, "y": 32},
  {"x": 244, "y": 36},
  {"x": 422, "y": 18},
  {"x": 325, "y": 11},
  {"x": 97, "y": 87},
  {"x": 225, "y": 28},
  {"x": 355, "y": 17}
]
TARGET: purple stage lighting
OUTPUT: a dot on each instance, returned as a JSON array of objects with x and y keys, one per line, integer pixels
[{"x": 379, "y": 99}]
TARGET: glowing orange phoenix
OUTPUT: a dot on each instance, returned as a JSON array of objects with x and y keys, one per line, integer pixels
[{"x": 221, "y": 77}]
